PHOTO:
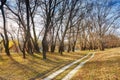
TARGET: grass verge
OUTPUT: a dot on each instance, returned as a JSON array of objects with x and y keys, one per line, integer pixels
[
  {"x": 63, "y": 74},
  {"x": 34, "y": 67},
  {"x": 104, "y": 66}
]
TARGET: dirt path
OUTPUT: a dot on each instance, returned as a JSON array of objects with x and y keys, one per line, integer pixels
[
  {"x": 53, "y": 75},
  {"x": 72, "y": 73}
]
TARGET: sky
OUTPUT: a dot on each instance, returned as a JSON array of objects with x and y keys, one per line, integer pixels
[{"x": 114, "y": 2}]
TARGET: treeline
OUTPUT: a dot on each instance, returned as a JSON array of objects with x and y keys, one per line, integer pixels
[{"x": 49, "y": 25}]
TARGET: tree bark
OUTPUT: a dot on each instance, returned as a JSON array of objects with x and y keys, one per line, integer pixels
[
  {"x": 101, "y": 45},
  {"x": 5, "y": 37},
  {"x": 28, "y": 35},
  {"x": 44, "y": 45},
  {"x": 35, "y": 41}
]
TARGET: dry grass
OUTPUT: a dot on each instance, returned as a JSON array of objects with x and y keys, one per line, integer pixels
[
  {"x": 63, "y": 74},
  {"x": 17, "y": 68},
  {"x": 104, "y": 66}
]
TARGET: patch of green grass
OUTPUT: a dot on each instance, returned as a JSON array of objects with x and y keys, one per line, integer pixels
[{"x": 104, "y": 66}]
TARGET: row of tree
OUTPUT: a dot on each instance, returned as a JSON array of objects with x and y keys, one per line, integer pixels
[{"x": 59, "y": 25}]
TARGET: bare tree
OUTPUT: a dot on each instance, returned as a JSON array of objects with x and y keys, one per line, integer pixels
[
  {"x": 104, "y": 17},
  {"x": 5, "y": 36},
  {"x": 28, "y": 34},
  {"x": 33, "y": 10},
  {"x": 49, "y": 8},
  {"x": 71, "y": 6}
]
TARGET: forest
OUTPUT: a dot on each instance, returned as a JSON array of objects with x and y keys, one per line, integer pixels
[
  {"x": 38, "y": 37},
  {"x": 41, "y": 26}
]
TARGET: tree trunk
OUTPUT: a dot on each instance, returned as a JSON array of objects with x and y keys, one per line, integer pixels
[
  {"x": 35, "y": 41},
  {"x": 45, "y": 45},
  {"x": 101, "y": 45},
  {"x": 30, "y": 47},
  {"x": 52, "y": 47},
  {"x": 61, "y": 48},
  {"x": 28, "y": 35},
  {"x": 69, "y": 48},
  {"x": 73, "y": 47},
  {"x": 24, "y": 56},
  {"x": 5, "y": 37}
]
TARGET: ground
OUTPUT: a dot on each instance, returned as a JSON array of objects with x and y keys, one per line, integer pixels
[
  {"x": 104, "y": 66},
  {"x": 17, "y": 68}
]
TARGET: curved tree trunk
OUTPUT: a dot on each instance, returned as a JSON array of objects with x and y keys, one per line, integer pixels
[{"x": 5, "y": 37}]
